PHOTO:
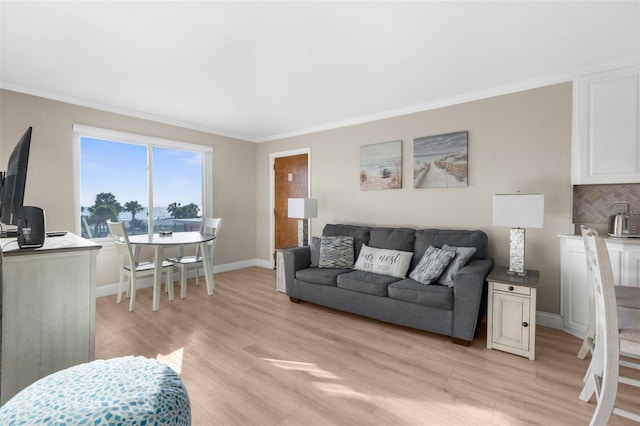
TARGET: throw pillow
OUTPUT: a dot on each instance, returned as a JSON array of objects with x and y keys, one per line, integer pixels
[
  {"x": 394, "y": 263},
  {"x": 463, "y": 254},
  {"x": 432, "y": 265},
  {"x": 336, "y": 252}
]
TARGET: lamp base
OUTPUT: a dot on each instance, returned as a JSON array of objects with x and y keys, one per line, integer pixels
[
  {"x": 303, "y": 232},
  {"x": 516, "y": 252}
]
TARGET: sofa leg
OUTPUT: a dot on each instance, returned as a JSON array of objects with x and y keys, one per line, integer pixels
[
  {"x": 459, "y": 341},
  {"x": 294, "y": 300}
]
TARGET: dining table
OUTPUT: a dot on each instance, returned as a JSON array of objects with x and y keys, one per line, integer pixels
[{"x": 161, "y": 240}]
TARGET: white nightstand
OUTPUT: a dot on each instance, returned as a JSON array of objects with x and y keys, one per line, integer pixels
[{"x": 511, "y": 312}]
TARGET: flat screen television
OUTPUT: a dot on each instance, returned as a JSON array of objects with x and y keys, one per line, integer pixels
[{"x": 13, "y": 183}]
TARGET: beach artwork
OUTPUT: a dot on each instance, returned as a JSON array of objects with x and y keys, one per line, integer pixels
[
  {"x": 381, "y": 166},
  {"x": 440, "y": 161}
]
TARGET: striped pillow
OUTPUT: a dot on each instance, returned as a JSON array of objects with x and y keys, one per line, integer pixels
[
  {"x": 336, "y": 252},
  {"x": 432, "y": 265}
]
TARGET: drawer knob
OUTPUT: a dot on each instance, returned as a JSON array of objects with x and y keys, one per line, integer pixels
[
  {"x": 525, "y": 324},
  {"x": 510, "y": 288}
]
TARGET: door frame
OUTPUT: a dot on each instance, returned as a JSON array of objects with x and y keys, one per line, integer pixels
[{"x": 272, "y": 193}]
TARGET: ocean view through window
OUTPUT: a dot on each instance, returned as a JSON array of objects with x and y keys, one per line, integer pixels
[{"x": 149, "y": 184}]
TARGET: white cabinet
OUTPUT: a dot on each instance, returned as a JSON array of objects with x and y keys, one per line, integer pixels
[
  {"x": 511, "y": 312},
  {"x": 48, "y": 310},
  {"x": 574, "y": 306},
  {"x": 606, "y": 144},
  {"x": 631, "y": 273}
]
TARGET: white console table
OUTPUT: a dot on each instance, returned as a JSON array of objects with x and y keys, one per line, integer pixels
[{"x": 48, "y": 309}]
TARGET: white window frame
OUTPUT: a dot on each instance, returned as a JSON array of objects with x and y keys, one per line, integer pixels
[{"x": 80, "y": 130}]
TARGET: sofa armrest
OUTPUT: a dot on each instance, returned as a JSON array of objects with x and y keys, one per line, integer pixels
[
  {"x": 295, "y": 258},
  {"x": 470, "y": 290}
]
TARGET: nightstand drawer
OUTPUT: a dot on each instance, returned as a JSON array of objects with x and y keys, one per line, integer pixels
[{"x": 510, "y": 288}]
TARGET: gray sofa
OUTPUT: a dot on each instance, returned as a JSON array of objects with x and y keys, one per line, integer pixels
[{"x": 454, "y": 311}]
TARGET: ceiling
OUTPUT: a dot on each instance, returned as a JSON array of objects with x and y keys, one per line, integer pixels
[{"x": 264, "y": 70}]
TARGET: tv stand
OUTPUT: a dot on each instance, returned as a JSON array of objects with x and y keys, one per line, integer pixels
[{"x": 47, "y": 310}]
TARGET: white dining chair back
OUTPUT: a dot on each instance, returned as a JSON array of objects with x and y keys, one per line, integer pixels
[
  {"x": 603, "y": 373},
  {"x": 210, "y": 225},
  {"x": 132, "y": 268},
  {"x": 184, "y": 262},
  {"x": 588, "y": 342}
]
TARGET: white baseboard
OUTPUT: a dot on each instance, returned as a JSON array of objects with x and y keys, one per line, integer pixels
[
  {"x": 546, "y": 319},
  {"x": 109, "y": 289}
]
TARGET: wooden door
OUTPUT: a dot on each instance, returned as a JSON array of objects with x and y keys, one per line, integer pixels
[{"x": 291, "y": 180}]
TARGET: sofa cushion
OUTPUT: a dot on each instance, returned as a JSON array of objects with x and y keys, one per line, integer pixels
[
  {"x": 360, "y": 234},
  {"x": 336, "y": 252},
  {"x": 323, "y": 276},
  {"x": 432, "y": 265},
  {"x": 402, "y": 239},
  {"x": 463, "y": 254},
  {"x": 365, "y": 282},
  {"x": 435, "y": 295},
  {"x": 394, "y": 263},
  {"x": 456, "y": 238},
  {"x": 314, "y": 246}
]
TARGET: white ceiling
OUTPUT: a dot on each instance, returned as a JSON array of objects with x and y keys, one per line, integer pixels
[{"x": 263, "y": 70}]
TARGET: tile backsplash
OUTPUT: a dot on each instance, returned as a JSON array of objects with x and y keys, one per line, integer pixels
[{"x": 593, "y": 203}]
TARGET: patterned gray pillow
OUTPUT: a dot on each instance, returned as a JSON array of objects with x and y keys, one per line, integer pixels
[
  {"x": 336, "y": 252},
  {"x": 432, "y": 265},
  {"x": 463, "y": 254}
]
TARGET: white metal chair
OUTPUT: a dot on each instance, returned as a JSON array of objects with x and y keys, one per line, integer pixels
[
  {"x": 132, "y": 268},
  {"x": 210, "y": 226},
  {"x": 612, "y": 337}
]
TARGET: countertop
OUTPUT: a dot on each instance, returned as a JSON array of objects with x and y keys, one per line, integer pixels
[{"x": 616, "y": 240}]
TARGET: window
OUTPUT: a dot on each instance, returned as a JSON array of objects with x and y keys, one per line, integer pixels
[{"x": 150, "y": 184}]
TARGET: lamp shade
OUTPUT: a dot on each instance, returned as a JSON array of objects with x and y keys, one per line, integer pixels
[
  {"x": 518, "y": 210},
  {"x": 303, "y": 208}
]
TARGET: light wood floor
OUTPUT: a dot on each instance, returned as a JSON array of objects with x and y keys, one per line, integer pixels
[{"x": 249, "y": 356}]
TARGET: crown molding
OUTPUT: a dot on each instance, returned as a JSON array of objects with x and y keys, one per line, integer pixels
[
  {"x": 117, "y": 110},
  {"x": 535, "y": 83},
  {"x": 468, "y": 97}
]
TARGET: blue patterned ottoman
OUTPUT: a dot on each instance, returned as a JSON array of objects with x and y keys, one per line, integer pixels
[{"x": 118, "y": 391}]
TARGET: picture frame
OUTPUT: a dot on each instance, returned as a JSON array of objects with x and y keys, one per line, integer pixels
[
  {"x": 441, "y": 161},
  {"x": 381, "y": 166}
]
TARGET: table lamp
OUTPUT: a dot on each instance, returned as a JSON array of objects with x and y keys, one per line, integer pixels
[
  {"x": 303, "y": 209},
  {"x": 518, "y": 211}
]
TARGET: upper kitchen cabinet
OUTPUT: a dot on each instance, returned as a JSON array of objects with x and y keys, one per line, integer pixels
[{"x": 606, "y": 139}]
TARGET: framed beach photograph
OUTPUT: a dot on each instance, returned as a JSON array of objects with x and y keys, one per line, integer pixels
[
  {"x": 381, "y": 166},
  {"x": 440, "y": 161}
]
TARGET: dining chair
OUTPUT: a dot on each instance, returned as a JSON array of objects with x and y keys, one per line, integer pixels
[
  {"x": 626, "y": 296},
  {"x": 209, "y": 226},
  {"x": 613, "y": 336},
  {"x": 132, "y": 268}
]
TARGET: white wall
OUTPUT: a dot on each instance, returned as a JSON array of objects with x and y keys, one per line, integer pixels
[
  {"x": 520, "y": 141},
  {"x": 50, "y": 179}
]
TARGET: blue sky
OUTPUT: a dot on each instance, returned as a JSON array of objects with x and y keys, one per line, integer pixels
[{"x": 122, "y": 170}]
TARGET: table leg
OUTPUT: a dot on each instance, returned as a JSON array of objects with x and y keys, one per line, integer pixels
[
  {"x": 136, "y": 259},
  {"x": 208, "y": 273},
  {"x": 157, "y": 275}
]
